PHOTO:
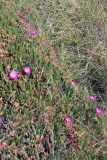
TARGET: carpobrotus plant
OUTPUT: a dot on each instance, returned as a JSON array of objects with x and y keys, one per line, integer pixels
[
  {"x": 98, "y": 110},
  {"x": 27, "y": 70},
  {"x": 92, "y": 98},
  {"x": 13, "y": 75},
  {"x": 68, "y": 119}
]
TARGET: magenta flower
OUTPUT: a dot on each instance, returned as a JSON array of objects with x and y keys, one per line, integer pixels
[
  {"x": 13, "y": 75},
  {"x": 27, "y": 70},
  {"x": 33, "y": 32},
  {"x": 74, "y": 83},
  {"x": 20, "y": 14},
  {"x": 92, "y": 98},
  {"x": 68, "y": 119},
  {"x": 98, "y": 110},
  {"x": 23, "y": 21},
  {"x": 30, "y": 30}
]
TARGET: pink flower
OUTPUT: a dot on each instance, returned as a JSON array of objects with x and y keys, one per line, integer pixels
[
  {"x": 74, "y": 83},
  {"x": 27, "y": 70},
  {"x": 30, "y": 30},
  {"x": 23, "y": 21},
  {"x": 33, "y": 32},
  {"x": 13, "y": 75},
  {"x": 20, "y": 14},
  {"x": 98, "y": 110},
  {"x": 68, "y": 119},
  {"x": 92, "y": 98}
]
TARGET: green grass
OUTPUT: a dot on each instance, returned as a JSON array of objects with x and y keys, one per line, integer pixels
[{"x": 37, "y": 105}]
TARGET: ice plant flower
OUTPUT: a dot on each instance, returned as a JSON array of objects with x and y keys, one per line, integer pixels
[
  {"x": 27, "y": 70},
  {"x": 68, "y": 119},
  {"x": 74, "y": 83},
  {"x": 92, "y": 98},
  {"x": 33, "y": 32},
  {"x": 98, "y": 110},
  {"x": 23, "y": 21},
  {"x": 20, "y": 14},
  {"x": 13, "y": 75},
  {"x": 30, "y": 30}
]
